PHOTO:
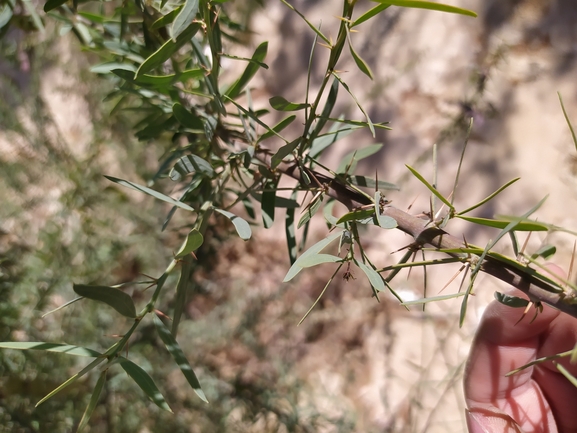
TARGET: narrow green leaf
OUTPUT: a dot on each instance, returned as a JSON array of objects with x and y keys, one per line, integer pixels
[
  {"x": 488, "y": 198},
  {"x": 252, "y": 115},
  {"x": 318, "y": 259},
  {"x": 251, "y": 69},
  {"x": 53, "y": 4},
  {"x": 510, "y": 300},
  {"x": 433, "y": 299},
  {"x": 166, "y": 19},
  {"x": 184, "y": 18},
  {"x": 71, "y": 380},
  {"x": 193, "y": 241},
  {"x": 327, "y": 110},
  {"x": 311, "y": 209},
  {"x": 190, "y": 164},
  {"x": 6, "y": 14},
  {"x": 545, "y": 251},
  {"x": 361, "y": 64},
  {"x": 373, "y": 276},
  {"x": 167, "y": 50},
  {"x": 281, "y": 104},
  {"x": 241, "y": 226},
  {"x": 49, "y": 347},
  {"x": 186, "y": 118},
  {"x": 371, "y": 183},
  {"x": 145, "y": 382},
  {"x": 117, "y": 299},
  {"x": 179, "y": 357},
  {"x": 369, "y": 14},
  {"x": 430, "y": 187},
  {"x": 513, "y": 225},
  {"x": 285, "y": 150},
  {"x": 277, "y": 128},
  {"x": 351, "y": 159},
  {"x": 268, "y": 203},
  {"x": 369, "y": 121},
  {"x": 93, "y": 401},
  {"x": 314, "y": 29},
  {"x": 428, "y": 5},
  {"x": 568, "y": 121},
  {"x": 320, "y": 143},
  {"x": 182, "y": 286},
  {"x": 524, "y": 226},
  {"x": 313, "y": 250},
  {"x": 290, "y": 230},
  {"x": 356, "y": 215},
  {"x": 151, "y": 192}
]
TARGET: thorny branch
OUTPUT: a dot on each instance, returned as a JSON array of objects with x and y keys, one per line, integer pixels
[{"x": 425, "y": 234}]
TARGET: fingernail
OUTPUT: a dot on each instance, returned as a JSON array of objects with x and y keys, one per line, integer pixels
[{"x": 490, "y": 420}]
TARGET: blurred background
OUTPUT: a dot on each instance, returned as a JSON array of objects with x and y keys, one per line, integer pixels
[{"x": 354, "y": 365}]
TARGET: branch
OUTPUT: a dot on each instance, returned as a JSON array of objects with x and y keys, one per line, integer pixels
[{"x": 424, "y": 234}]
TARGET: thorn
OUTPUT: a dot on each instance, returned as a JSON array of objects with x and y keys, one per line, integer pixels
[
  {"x": 412, "y": 203},
  {"x": 527, "y": 308},
  {"x": 520, "y": 256},
  {"x": 160, "y": 313},
  {"x": 452, "y": 278}
]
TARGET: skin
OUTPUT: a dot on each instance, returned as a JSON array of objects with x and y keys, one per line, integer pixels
[{"x": 538, "y": 399}]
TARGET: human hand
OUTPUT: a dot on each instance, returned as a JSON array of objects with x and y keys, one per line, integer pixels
[{"x": 538, "y": 399}]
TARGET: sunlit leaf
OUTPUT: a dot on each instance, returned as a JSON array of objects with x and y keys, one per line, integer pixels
[
  {"x": 285, "y": 150},
  {"x": 318, "y": 259},
  {"x": 179, "y": 357},
  {"x": 182, "y": 287},
  {"x": 313, "y": 250},
  {"x": 268, "y": 203},
  {"x": 371, "y": 183},
  {"x": 545, "y": 251},
  {"x": 290, "y": 230},
  {"x": 345, "y": 85},
  {"x": 184, "y": 18},
  {"x": 373, "y": 276},
  {"x": 336, "y": 133},
  {"x": 241, "y": 226},
  {"x": 491, "y": 196},
  {"x": 430, "y": 187},
  {"x": 193, "y": 241},
  {"x": 356, "y": 215},
  {"x": 149, "y": 191},
  {"x": 117, "y": 299},
  {"x": 190, "y": 164},
  {"x": 166, "y": 19},
  {"x": 369, "y": 14},
  {"x": 350, "y": 160},
  {"x": 510, "y": 300},
  {"x": 523, "y": 226},
  {"x": 433, "y": 299},
  {"x": 428, "y": 5},
  {"x": 49, "y": 347},
  {"x": 311, "y": 209},
  {"x": 361, "y": 64},
  {"x": 251, "y": 69},
  {"x": 145, "y": 382},
  {"x": 278, "y": 127},
  {"x": 281, "y": 104},
  {"x": 93, "y": 401},
  {"x": 167, "y": 50}
]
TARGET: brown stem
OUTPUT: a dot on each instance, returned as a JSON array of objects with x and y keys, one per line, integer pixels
[{"x": 424, "y": 234}]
